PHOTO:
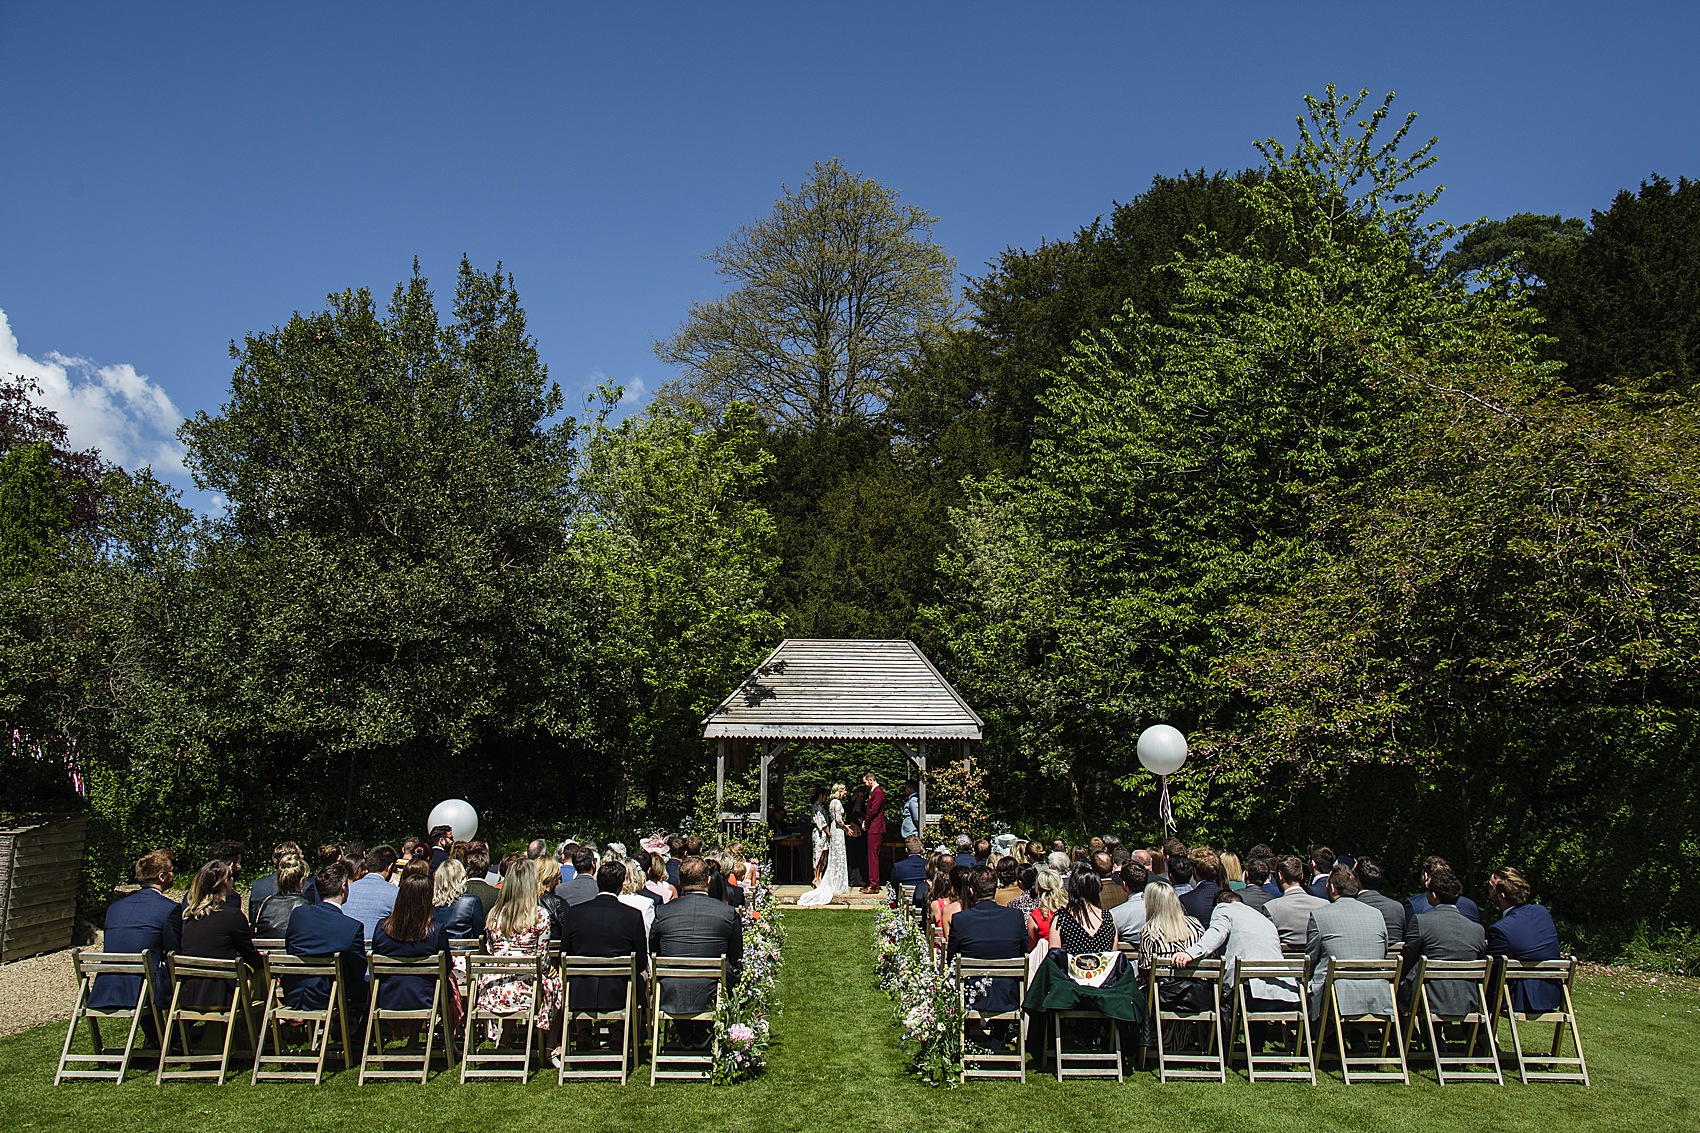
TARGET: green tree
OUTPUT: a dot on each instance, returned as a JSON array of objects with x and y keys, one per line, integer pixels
[
  {"x": 1532, "y": 249},
  {"x": 35, "y": 512},
  {"x": 1625, "y": 307},
  {"x": 1184, "y": 464},
  {"x": 836, "y": 290},
  {"x": 398, "y": 488}
]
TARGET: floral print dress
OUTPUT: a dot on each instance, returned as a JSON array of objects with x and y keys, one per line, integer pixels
[{"x": 513, "y": 995}]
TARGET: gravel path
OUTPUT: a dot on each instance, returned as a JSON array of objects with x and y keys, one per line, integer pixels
[{"x": 41, "y": 989}]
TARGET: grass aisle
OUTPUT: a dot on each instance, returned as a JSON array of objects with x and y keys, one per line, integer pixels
[{"x": 835, "y": 1064}]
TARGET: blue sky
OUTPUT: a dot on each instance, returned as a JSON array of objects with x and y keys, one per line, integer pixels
[{"x": 176, "y": 176}]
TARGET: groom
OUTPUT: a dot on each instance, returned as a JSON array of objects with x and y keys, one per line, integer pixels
[{"x": 875, "y": 827}]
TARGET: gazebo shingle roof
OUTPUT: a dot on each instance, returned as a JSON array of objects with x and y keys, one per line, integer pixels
[{"x": 811, "y": 689}]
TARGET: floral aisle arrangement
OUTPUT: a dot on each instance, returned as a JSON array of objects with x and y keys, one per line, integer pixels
[
  {"x": 923, "y": 995},
  {"x": 743, "y": 1024}
]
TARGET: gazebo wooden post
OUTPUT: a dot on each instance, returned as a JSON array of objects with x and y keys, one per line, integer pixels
[{"x": 719, "y": 780}]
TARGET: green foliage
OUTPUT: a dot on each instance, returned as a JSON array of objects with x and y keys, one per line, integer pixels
[
  {"x": 1624, "y": 304},
  {"x": 35, "y": 512},
  {"x": 837, "y": 289},
  {"x": 956, "y": 792}
]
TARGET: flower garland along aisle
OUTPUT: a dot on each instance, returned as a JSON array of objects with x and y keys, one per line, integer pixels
[
  {"x": 924, "y": 998},
  {"x": 743, "y": 1024}
]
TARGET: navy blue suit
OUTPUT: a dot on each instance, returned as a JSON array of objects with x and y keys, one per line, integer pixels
[
  {"x": 1526, "y": 932},
  {"x": 603, "y": 926},
  {"x": 1417, "y": 904},
  {"x": 143, "y": 920},
  {"x": 989, "y": 931},
  {"x": 1200, "y": 901},
  {"x": 911, "y": 870},
  {"x": 325, "y": 930}
]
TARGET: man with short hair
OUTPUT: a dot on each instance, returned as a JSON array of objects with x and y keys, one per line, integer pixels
[
  {"x": 982, "y": 850},
  {"x": 910, "y": 826},
  {"x": 985, "y": 930},
  {"x": 1321, "y": 865},
  {"x": 675, "y": 855},
  {"x": 1417, "y": 904},
  {"x": 1371, "y": 877},
  {"x": 1181, "y": 875},
  {"x": 695, "y": 924},
  {"x": 323, "y": 929},
  {"x": 142, "y": 921},
  {"x": 1292, "y": 910},
  {"x": 1345, "y": 930},
  {"x": 1129, "y": 916},
  {"x": 477, "y": 874},
  {"x": 534, "y": 849},
  {"x": 911, "y": 870},
  {"x": 369, "y": 897},
  {"x": 1241, "y": 933},
  {"x": 582, "y": 887},
  {"x": 1524, "y": 931},
  {"x": 693, "y": 845},
  {"x": 1256, "y": 893},
  {"x": 1443, "y": 933},
  {"x": 604, "y": 926},
  {"x": 965, "y": 851},
  {"x": 874, "y": 828},
  {"x": 1200, "y": 901},
  {"x": 1110, "y": 892},
  {"x": 442, "y": 840}
]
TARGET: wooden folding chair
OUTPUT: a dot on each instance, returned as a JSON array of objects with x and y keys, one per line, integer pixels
[
  {"x": 1300, "y": 1062},
  {"x": 1468, "y": 1066},
  {"x": 107, "y": 1065},
  {"x": 1553, "y": 1065},
  {"x": 499, "y": 1062},
  {"x": 187, "y": 1064},
  {"x": 379, "y": 1062},
  {"x": 1380, "y": 1066},
  {"x": 992, "y": 1064},
  {"x": 266, "y": 945},
  {"x": 1212, "y": 1061},
  {"x": 620, "y": 1024},
  {"x": 286, "y": 1063},
  {"x": 681, "y": 1064}
]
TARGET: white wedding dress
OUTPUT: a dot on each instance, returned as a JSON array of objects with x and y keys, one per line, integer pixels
[{"x": 836, "y": 879}]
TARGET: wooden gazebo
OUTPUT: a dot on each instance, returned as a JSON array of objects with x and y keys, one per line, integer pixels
[{"x": 838, "y": 690}]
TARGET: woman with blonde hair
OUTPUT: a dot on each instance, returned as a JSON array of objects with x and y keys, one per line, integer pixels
[
  {"x": 631, "y": 893},
  {"x": 457, "y": 914},
  {"x": 549, "y": 876},
  {"x": 518, "y": 926},
  {"x": 271, "y": 919},
  {"x": 835, "y": 878},
  {"x": 1233, "y": 872},
  {"x": 1168, "y": 929},
  {"x": 1048, "y": 888},
  {"x": 214, "y": 928}
]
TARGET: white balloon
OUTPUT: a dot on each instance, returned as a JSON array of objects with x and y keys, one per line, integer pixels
[
  {"x": 457, "y": 815},
  {"x": 1162, "y": 749}
]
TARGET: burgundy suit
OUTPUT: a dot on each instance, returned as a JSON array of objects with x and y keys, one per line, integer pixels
[{"x": 876, "y": 833}]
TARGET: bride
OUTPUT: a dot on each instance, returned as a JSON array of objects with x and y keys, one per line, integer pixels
[{"x": 836, "y": 878}]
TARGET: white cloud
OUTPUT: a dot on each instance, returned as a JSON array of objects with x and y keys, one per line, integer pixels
[
  {"x": 130, "y": 419},
  {"x": 634, "y": 391}
]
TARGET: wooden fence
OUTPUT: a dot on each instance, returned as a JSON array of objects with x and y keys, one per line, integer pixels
[{"x": 41, "y": 861}]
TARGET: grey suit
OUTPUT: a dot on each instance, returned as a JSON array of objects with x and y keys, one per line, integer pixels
[
  {"x": 1444, "y": 934},
  {"x": 695, "y": 924},
  {"x": 1347, "y": 930},
  {"x": 1291, "y": 913},
  {"x": 580, "y": 889},
  {"x": 1255, "y": 897},
  {"x": 1244, "y": 933},
  {"x": 1393, "y": 912}
]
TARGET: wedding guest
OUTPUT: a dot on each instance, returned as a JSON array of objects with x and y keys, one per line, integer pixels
[
  {"x": 582, "y": 887},
  {"x": 213, "y": 929},
  {"x": 1321, "y": 865},
  {"x": 146, "y": 920},
  {"x": 1346, "y": 930},
  {"x": 1417, "y": 904},
  {"x": 1181, "y": 875},
  {"x": 607, "y": 925},
  {"x": 1524, "y": 931},
  {"x": 1441, "y": 934},
  {"x": 1110, "y": 891},
  {"x": 370, "y": 895},
  {"x": 519, "y": 926},
  {"x": 982, "y": 851},
  {"x": 1082, "y": 925},
  {"x": 408, "y": 931},
  {"x": 942, "y": 898},
  {"x": 478, "y": 874},
  {"x": 676, "y": 854},
  {"x": 548, "y": 877},
  {"x": 988, "y": 931},
  {"x": 457, "y": 914},
  {"x": 1130, "y": 914},
  {"x": 657, "y": 883},
  {"x": 695, "y": 925},
  {"x": 1292, "y": 910},
  {"x": 321, "y": 930},
  {"x": 1168, "y": 929},
  {"x": 1050, "y": 897},
  {"x": 326, "y": 854},
  {"x": 271, "y": 916},
  {"x": 442, "y": 838},
  {"x": 1242, "y": 933},
  {"x": 1206, "y": 871},
  {"x": 1256, "y": 894},
  {"x": 1371, "y": 878},
  {"x": 1233, "y": 873},
  {"x": 632, "y": 893},
  {"x": 229, "y": 851},
  {"x": 910, "y": 869},
  {"x": 1008, "y": 874},
  {"x": 264, "y": 887},
  {"x": 1028, "y": 899},
  {"x": 964, "y": 851}
]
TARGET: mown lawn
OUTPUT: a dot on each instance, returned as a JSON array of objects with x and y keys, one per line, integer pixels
[{"x": 836, "y": 1065}]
